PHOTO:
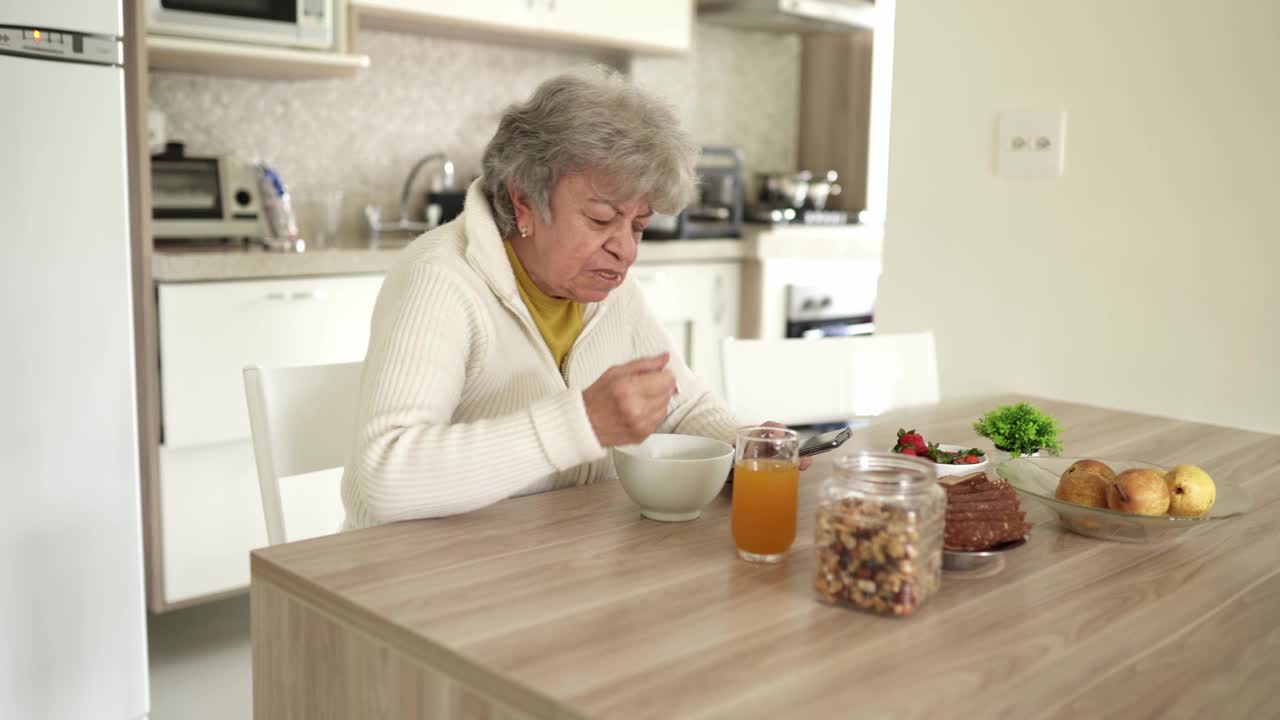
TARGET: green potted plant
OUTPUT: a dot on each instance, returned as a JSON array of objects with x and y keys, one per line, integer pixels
[{"x": 1020, "y": 430}]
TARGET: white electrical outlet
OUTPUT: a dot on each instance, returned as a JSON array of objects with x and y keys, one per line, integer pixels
[
  {"x": 1031, "y": 143},
  {"x": 157, "y": 134}
]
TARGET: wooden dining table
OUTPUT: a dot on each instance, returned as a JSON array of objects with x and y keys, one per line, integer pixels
[{"x": 569, "y": 604}]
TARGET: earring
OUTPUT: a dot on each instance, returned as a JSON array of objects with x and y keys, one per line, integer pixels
[{"x": 524, "y": 231}]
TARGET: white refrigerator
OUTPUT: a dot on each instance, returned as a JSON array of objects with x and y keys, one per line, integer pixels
[{"x": 72, "y": 613}]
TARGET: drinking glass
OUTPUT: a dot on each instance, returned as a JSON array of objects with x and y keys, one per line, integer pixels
[
  {"x": 766, "y": 478},
  {"x": 324, "y": 209}
]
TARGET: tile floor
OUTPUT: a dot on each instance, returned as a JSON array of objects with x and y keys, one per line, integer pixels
[{"x": 200, "y": 662}]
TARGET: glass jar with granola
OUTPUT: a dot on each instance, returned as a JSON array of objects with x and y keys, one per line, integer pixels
[{"x": 879, "y": 533}]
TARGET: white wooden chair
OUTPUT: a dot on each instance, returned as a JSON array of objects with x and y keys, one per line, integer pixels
[
  {"x": 810, "y": 381},
  {"x": 302, "y": 420}
]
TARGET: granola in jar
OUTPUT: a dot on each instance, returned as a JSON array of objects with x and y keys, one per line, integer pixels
[{"x": 879, "y": 534}]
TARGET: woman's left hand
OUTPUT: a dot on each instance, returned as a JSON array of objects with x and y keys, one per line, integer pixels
[{"x": 805, "y": 462}]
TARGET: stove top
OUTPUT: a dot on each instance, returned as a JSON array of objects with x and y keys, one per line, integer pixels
[{"x": 803, "y": 216}]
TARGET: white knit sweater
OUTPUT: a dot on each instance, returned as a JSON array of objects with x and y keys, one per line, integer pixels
[{"x": 461, "y": 404}]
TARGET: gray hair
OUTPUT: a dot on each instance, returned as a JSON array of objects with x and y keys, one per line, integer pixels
[{"x": 593, "y": 121}]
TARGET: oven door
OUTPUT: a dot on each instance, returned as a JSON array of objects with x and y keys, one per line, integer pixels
[
  {"x": 187, "y": 189},
  {"x": 302, "y": 23},
  {"x": 833, "y": 310},
  {"x": 831, "y": 327}
]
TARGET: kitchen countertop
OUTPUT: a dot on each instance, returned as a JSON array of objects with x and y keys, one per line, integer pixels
[
  {"x": 568, "y": 604},
  {"x": 757, "y": 243},
  {"x": 237, "y": 264}
]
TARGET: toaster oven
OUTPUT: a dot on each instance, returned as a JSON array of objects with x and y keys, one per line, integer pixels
[
  {"x": 212, "y": 198},
  {"x": 717, "y": 212}
]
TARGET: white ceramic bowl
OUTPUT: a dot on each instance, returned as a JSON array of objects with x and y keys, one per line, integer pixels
[
  {"x": 954, "y": 470},
  {"x": 672, "y": 477}
]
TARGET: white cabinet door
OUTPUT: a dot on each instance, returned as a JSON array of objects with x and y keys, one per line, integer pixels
[
  {"x": 210, "y": 503},
  {"x": 719, "y": 321},
  {"x": 210, "y": 331},
  {"x": 663, "y": 25},
  {"x": 521, "y": 14},
  {"x": 659, "y": 24},
  {"x": 697, "y": 304},
  {"x": 670, "y": 305},
  {"x": 211, "y": 515}
]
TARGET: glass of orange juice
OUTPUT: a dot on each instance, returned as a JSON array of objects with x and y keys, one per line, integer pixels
[{"x": 766, "y": 476}]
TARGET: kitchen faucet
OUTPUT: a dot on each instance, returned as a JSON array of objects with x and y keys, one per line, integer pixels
[{"x": 373, "y": 213}]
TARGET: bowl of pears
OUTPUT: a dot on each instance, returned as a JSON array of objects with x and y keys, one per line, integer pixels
[{"x": 1125, "y": 500}]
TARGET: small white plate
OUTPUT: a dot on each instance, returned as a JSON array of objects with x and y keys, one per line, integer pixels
[{"x": 954, "y": 470}]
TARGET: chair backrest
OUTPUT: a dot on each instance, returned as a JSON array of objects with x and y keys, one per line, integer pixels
[
  {"x": 809, "y": 381},
  {"x": 302, "y": 420}
]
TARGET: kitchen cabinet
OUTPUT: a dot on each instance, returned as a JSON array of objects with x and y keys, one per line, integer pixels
[
  {"x": 654, "y": 26},
  {"x": 697, "y": 304},
  {"x": 220, "y": 57},
  {"x": 210, "y": 331},
  {"x": 664, "y": 24},
  {"x": 513, "y": 14},
  {"x": 210, "y": 505}
]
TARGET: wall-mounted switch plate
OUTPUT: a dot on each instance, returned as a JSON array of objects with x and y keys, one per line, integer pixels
[{"x": 1031, "y": 143}]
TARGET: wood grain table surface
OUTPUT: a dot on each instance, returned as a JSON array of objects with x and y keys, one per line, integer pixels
[{"x": 569, "y": 604}]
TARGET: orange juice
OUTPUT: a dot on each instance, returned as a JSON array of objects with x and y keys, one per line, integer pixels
[{"x": 764, "y": 505}]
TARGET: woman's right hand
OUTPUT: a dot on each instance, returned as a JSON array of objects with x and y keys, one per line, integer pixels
[{"x": 629, "y": 401}]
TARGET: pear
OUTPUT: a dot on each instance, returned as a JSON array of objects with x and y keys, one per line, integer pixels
[
  {"x": 1191, "y": 491},
  {"x": 1141, "y": 491},
  {"x": 1085, "y": 483}
]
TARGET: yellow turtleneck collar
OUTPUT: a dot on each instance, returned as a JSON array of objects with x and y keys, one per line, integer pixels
[{"x": 559, "y": 320}]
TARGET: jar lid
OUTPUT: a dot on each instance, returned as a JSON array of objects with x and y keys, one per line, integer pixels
[{"x": 886, "y": 473}]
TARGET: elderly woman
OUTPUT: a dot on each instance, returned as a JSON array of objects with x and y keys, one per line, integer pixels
[{"x": 507, "y": 349}]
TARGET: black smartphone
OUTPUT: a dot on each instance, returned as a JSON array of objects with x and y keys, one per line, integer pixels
[{"x": 824, "y": 442}]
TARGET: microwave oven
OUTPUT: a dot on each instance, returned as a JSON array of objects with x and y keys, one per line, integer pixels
[{"x": 290, "y": 23}]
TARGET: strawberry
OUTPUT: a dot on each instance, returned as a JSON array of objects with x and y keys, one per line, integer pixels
[
  {"x": 911, "y": 439},
  {"x": 969, "y": 460},
  {"x": 908, "y": 451}
]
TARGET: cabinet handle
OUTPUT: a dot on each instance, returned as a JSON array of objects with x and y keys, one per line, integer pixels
[{"x": 299, "y": 295}]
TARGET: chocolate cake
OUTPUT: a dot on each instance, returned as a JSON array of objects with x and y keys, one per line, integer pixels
[{"x": 982, "y": 514}]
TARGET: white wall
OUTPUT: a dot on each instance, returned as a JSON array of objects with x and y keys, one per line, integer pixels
[{"x": 1146, "y": 277}]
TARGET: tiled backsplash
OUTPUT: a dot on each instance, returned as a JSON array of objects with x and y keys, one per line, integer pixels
[
  {"x": 736, "y": 88},
  {"x": 431, "y": 94}
]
